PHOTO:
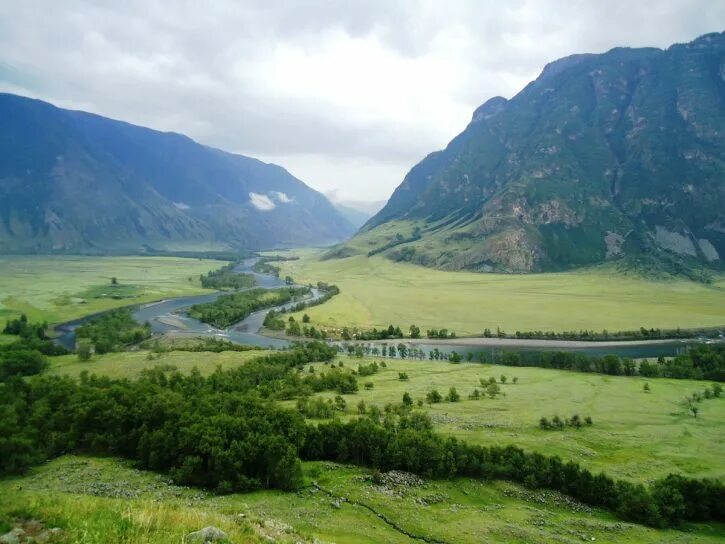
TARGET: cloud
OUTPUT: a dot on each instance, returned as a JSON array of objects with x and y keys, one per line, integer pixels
[
  {"x": 282, "y": 197},
  {"x": 182, "y": 206},
  {"x": 262, "y": 202},
  {"x": 347, "y": 94}
]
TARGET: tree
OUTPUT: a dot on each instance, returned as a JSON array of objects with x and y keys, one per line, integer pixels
[
  {"x": 475, "y": 395},
  {"x": 369, "y": 385},
  {"x": 114, "y": 280},
  {"x": 493, "y": 389},
  {"x": 433, "y": 397},
  {"x": 503, "y": 378},
  {"x": 403, "y": 376},
  {"x": 407, "y": 400},
  {"x": 455, "y": 357},
  {"x": 515, "y": 380},
  {"x": 402, "y": 350},
  {"x": 716, "y": 390},
  {"x": 544, "y": 423},
  {"x": 289, "y": 280},
  {"x": 453, "y": 395},
  {"x": 361, "y": 408},
  {"x": 391, "y": 352},
  {"x": 305, "y": 318},
  {"x": 84, "y": 352},
  {"x": 646, "y": 387},
  {"x": 340, "y": 403},
  {"x": 414, "y": 331},
  {"x": 694, "y": 409}
]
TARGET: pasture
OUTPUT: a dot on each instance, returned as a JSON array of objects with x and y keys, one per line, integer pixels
[
  {"x": 376, "y": 292},
  {"x": 635, "y": 435},
  {"x": 61, "y": 288}
]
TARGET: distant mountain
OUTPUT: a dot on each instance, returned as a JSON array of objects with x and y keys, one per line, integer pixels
[
  {"x": 76, "y": 182},
  {"x": 607, "y": 156},
  {"x": 358, "y": 212}
]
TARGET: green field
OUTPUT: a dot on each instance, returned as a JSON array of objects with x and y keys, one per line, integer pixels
[
  {"x": 130, "y": 364},
  {"x": 635, "y": 435},
  {"x": 376, "y": 292},
  {"x": 107, "y": 501},
  {"x": 58, "y": 289}
]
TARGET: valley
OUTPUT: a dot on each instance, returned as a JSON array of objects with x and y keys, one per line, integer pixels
[{"x": 376, "y": 292}]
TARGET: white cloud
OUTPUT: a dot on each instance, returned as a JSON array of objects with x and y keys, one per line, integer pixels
[
  {"x": 261, "y": 202},
  {"x": 347, "y": 94},
  {"x": 281, "y": 197},
  {"x": 182, "y": 206}
]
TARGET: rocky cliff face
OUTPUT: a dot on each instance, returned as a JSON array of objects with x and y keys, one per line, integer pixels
[
  {"x": 602, "y": 157},
  {"x": 75, "y": 182}
]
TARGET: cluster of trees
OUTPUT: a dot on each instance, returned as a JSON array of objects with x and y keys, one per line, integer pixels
[
  {"x": 642, "y": 333},
  {"x": 198, "y": 345},
  {"x": 226, "y": 278},
  {"x": 556, "y": 423},
  {"x": 397, "y": 240},
  {"x": 697, "y": 397},
  {"x": 113, "y": 331},
  {"x": 702, "y": 361},
  {"x": 440, "y": 333},
  {"x": 229, "y": 309},
  {"x": 26, "y": 355},
  {"x": 274, "y": 321},
  {"x": 375, "y": 334},
  {"x": 221, "y": 432},
  {"x": 367, "y": 370},
  {"x": 318, "y": 408},
  {"x": 264, "y": 266}
]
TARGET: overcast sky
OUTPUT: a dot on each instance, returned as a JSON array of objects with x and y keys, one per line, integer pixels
[{"x": 346, "y": 95}]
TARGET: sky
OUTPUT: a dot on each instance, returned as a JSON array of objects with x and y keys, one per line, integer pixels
[{"x": 347, "y": 95}]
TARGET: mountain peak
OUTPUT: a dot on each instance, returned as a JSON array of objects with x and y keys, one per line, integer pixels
[{"x": 489, "y": 108}]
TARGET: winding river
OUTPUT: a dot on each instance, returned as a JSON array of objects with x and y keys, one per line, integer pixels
[{"x": 169, "y": 317}]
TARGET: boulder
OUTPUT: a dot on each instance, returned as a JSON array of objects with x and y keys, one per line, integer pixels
[{"x": 207, "y": 534}]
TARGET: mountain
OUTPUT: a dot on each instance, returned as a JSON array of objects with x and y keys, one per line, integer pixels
[
  {"x": 619, "y": 155},
  {"x": 72, "y": 181},
  {"x": 358, "y": 212}
]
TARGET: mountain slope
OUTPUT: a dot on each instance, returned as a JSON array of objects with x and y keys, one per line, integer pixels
[
  {"x": 73, "y": 181},
  {"x": 620, "y": 154}
]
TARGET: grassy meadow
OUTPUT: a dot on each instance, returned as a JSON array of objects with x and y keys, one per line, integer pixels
[
  {"x": 57, "y": 289},
  {"x": 105, "y": 500},
  {"x": 376, "y": 292},
  {"x": 130, "y": 364},
  {"x": 636, "y": 435}
]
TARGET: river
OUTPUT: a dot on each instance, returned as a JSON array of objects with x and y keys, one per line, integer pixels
[{"x": 169, "y": 317}]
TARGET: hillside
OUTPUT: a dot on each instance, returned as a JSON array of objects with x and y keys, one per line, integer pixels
[
  {"x": 607, "y": 156},
  {"x": 75, "y": 182}
]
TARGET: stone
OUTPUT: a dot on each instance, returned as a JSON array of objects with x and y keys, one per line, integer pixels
[{"x": 207, "y": 534}]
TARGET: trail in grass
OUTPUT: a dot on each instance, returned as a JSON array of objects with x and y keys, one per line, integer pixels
[{"x": 380, "y": 515}]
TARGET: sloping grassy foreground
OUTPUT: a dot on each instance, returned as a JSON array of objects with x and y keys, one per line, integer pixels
[
  {"x": 61, "y": 288},
  {"x": 376, "y": 292},
  {"x": 106, "y": 501}
]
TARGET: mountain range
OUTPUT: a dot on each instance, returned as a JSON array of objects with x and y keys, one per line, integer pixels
[
  {"x": 72, "y": 181},
  {"x": 613, "y": 156}
]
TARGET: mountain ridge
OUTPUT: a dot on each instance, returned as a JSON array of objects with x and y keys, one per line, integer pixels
[
  {"x": 602, "y": 157},
  {"x": 73, "y": 181}
]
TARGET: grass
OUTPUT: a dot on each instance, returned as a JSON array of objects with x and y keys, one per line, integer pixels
[
  {"x": 130, "y": 364},
  {"x": 376, "y": 292},
  {"x": 636, "y": 435},
  {"x": 103, "y": 500},
  {"x": 58, "y": 289}
]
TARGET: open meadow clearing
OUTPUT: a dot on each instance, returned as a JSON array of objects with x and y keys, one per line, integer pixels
[
  {"x": 376, "y": 292},
  {"x": 635, "y": 435},
  {"x": 99, "y": 500},
  {"x": 58, "y": 289}
]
